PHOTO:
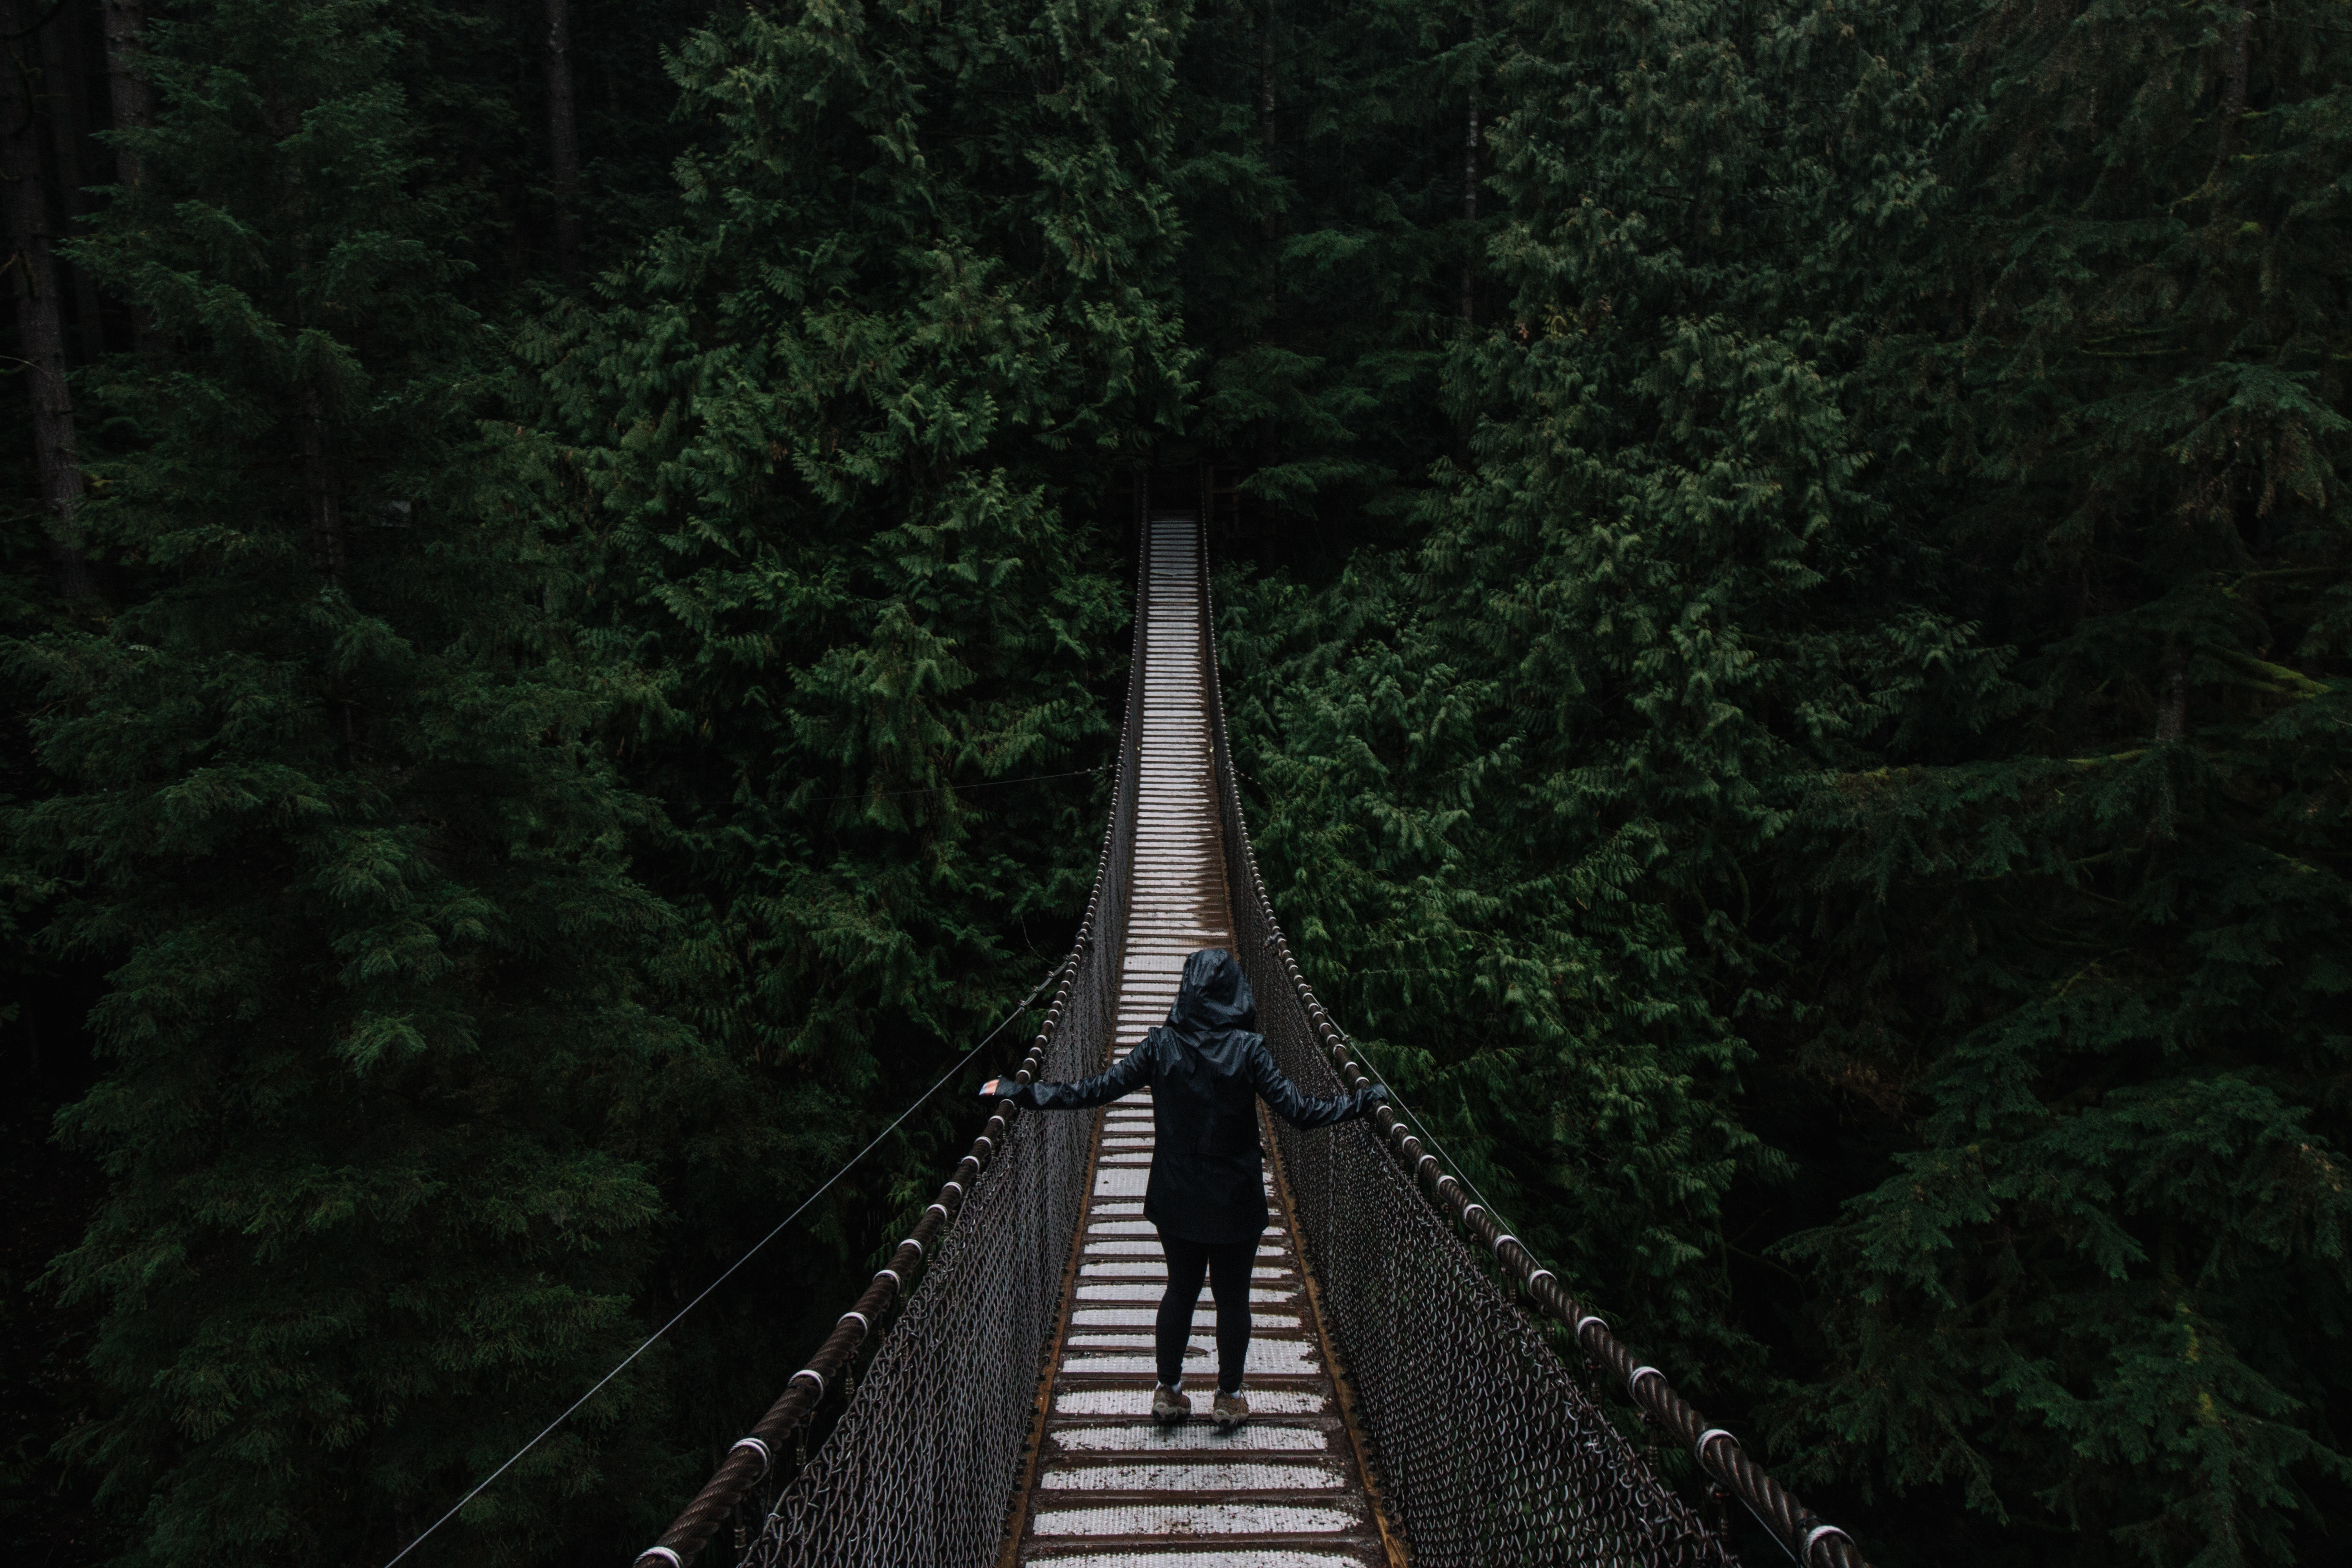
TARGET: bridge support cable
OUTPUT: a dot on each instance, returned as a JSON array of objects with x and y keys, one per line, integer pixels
[
  {"x": 749, "y": 1253},
  {"x": 1487, "y": 1445},
  {"x": 924, "y": 1460}
]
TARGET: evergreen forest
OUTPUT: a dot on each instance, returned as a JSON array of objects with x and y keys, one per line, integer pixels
[{"x": 1784, "y": 584}]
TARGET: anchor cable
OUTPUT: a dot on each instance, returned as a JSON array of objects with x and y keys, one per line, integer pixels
[{"x": 748, "y": 1255}]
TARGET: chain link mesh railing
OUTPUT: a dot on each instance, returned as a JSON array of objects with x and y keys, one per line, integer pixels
[
  {"x": 922, "y": 1465},
  {"x": 924, "y": 1462}
]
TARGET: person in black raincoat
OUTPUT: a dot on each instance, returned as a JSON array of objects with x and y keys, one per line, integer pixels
[{"x": 1206, "y": 1068}]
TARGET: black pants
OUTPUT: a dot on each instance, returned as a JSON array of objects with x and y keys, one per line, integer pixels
[{"x": 1227, "y": 1265}]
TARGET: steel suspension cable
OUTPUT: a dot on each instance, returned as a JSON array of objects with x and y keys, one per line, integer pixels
[{"x": 748, "y": 1254}]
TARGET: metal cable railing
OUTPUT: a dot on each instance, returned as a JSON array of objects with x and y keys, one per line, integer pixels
[
  {"x": 924, "y": 1459},
  {"x": 1487, "y": 1447}
]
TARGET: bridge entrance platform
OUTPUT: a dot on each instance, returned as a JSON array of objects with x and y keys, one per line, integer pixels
[{"x": 1109, "y": 1488}]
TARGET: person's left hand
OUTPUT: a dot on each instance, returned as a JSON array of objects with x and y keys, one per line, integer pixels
[{"x": 988, "y": 1090}]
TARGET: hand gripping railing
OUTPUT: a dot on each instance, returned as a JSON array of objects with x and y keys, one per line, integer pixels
[
  {"x": 923, "y": 1465},
  {"x": 1488, "y": 1447}
]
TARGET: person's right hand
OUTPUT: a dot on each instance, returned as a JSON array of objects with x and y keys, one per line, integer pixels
[
  {"x": 1376, "y": 1094},
  {"x": 988, "y": 1090}
]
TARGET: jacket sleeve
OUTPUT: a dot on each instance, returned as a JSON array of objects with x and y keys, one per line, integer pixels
[
  {"x": 1130, "y": 1075},
  {"x": 1297, "y": 1110}
]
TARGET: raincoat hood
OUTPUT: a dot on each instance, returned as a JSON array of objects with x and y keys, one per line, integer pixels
[
  {"x": 1212, "y": 1000},
  {"x": 1207, "y": 1067}
]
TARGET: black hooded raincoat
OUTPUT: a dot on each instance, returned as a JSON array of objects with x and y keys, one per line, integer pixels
[{"x": 1206, "y": 1068}]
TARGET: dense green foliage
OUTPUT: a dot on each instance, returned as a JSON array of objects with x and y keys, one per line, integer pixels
[
  {"x": 841, "y": 435},
  {"x": 1864, "y": 741},
  {"x": 1786, "y": 634},
  {"x": 1321, "y": 181},
  {"x": 519, "y": 778},
  {"x": 382, "y": 1078}
]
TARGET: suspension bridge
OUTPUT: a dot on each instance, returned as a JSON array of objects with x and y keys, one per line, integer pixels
[{"x": 1409, "y": 1404}]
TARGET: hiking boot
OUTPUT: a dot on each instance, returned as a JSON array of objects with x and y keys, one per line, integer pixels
[
  {"x": 1168, "y": 1407},
  {"x": 1229, "y": 1411}
]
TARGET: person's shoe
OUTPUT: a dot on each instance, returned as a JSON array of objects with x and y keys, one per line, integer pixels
[
  {"x": 1168, "y": 1407},
  {"x": 1229, "y": 1411}
]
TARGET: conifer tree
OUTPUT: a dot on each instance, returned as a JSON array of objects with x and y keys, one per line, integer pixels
[
  {"x": 381, "y": 1082},
  {"x": 2117, "y": 907},
  {"x": 856, "y": 436},
  {"x": 1824, "y": 773},
  {"x": 1642, "y": 618},
  {"x": 34, "y": 283},
  {"x": 1868, "y": 701},
  {"x": 1321, "y": 171}
]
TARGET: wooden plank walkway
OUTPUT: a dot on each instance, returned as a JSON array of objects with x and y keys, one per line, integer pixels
[{"x": 1111, "y": 1490}]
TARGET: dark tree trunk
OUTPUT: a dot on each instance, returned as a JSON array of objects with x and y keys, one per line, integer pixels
[
  {"x": 2171, "y": 724},
  {"x": 1470, "y": 211},
  {"x": 2233, "y": 98},
  {"x": 1266, "y": 110},
  {"x": 135, "y": 100},
  {"x": 1268, "y": 226},
  {"x": 562, "y": 137},
  {"x": 65, "y": 92},
  {"x": 132, "y": 100},
  {"x": 318, "y": 479},
  {"x": 1265, "y": 88},
  {"x": 1266, "y": 132},
  {"x": 1470, "y": 175},
  {"x": 40, "y": 321}
]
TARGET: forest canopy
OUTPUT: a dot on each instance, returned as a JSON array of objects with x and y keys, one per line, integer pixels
[{"x": 1785, "y": 588}]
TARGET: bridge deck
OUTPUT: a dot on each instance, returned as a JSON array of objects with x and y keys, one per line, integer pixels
[{"x": 1111, "y": 1489}]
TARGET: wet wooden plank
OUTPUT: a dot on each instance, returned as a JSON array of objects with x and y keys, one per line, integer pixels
[{"x": 1283, "y": 1491}]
